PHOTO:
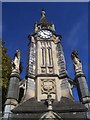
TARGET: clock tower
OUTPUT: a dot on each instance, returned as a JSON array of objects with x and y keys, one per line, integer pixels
[
  {"x": 47, "y": 86},
  {"x": 49, "y": 63}
]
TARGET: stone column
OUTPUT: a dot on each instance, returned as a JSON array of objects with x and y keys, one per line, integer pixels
[
  {"x": 12, "y": 95},
  {"x": 80, "y": 79},
  {"x": 13, "y": 89},
  {"x": 81, "y": 83}
]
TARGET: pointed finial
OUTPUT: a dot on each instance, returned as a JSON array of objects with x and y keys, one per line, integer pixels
[
  {"x": 76, "y": 62},
  {"x": 49, "y": 102},
  {"x": 43, "y": 13}
]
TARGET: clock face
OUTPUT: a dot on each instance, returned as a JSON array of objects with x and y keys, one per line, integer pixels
[{"x": 44, "y": 34}]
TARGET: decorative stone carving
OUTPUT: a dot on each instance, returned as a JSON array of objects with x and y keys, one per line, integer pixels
[
  {"x": 50, "y": 70},
  {"x": 55, "y": 38},
  {"x": 22, "y": 84},
  {"x": 43, "y": 14},
  {"x": 48, "y": 86},
  {"x": 53, "y": 27},
  {"x": 32, "y": 39},
  {"x": 43, "y": 70},
  {"x": 16, "y": 62},
  {"x": 76, "y": 62},
  {"x": 36, "y": 27}
]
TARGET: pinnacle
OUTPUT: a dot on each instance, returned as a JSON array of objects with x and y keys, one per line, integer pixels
[
  {"x": 43, "y": 13},
  {"x": 43, "y": 19}
]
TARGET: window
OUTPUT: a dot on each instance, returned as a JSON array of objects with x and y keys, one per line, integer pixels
[
  {"x": 43, "y": 56},
  {"x": 49, "y": 55}
]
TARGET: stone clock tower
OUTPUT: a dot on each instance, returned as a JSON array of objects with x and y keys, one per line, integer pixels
[
  {"x": 48, "y": 63},
  {"x": 47, "y": 92}
]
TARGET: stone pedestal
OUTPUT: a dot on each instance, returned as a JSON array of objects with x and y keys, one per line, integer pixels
[
  {"x": 82, "y": 88},
  {"x": 12, "y": 95}
]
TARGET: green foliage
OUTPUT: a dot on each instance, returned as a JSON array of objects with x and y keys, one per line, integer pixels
[
  {"x": 6, "y": 67},
  {"x": 6, "y": 70}
]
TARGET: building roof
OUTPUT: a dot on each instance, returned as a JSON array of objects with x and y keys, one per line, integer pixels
[
  {"x": 30, "y": 105},
  {"x": 65, "y": 105},
  {"x": 65, "y": 110}
]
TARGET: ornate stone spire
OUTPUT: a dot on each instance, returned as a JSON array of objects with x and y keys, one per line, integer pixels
[
  {"x": 43, "y": 14},
  {"x": 43, "y": 19},
  {"x": 49, "y": 102},
  {"x": 43, "y": 23}
]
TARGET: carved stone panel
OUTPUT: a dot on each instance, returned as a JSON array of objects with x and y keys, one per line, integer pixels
[
  {"x": 43, "y": 70},
  {"x": 50, "y": 70},
  {"x": 48, "y": 86}
]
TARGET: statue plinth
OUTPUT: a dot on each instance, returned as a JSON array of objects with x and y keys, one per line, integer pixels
[{"x": 15, "y": 71}]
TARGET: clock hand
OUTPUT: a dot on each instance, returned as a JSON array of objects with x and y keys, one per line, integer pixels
[{"x": 44, "y": 33}]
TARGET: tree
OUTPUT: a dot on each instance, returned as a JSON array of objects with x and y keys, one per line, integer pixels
[{"x": 6, "y": 70}]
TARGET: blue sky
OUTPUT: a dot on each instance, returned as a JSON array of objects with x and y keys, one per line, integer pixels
[{"x": 70, "y": 19}]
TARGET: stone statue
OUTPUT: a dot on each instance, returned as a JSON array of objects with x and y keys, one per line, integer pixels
[
  {"x": 77, "y": 62},
  {"x": 16, "y": 62}
]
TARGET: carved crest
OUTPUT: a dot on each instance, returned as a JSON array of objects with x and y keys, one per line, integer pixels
[{"x": 48, "y": 86}]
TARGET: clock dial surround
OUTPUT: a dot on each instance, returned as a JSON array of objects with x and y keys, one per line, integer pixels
[{"x": 45, "y": 34}]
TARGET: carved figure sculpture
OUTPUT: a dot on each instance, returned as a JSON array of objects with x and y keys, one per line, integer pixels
[
  {"x": 77, "y": 62},
  {"x": 16, "y": 61}
]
